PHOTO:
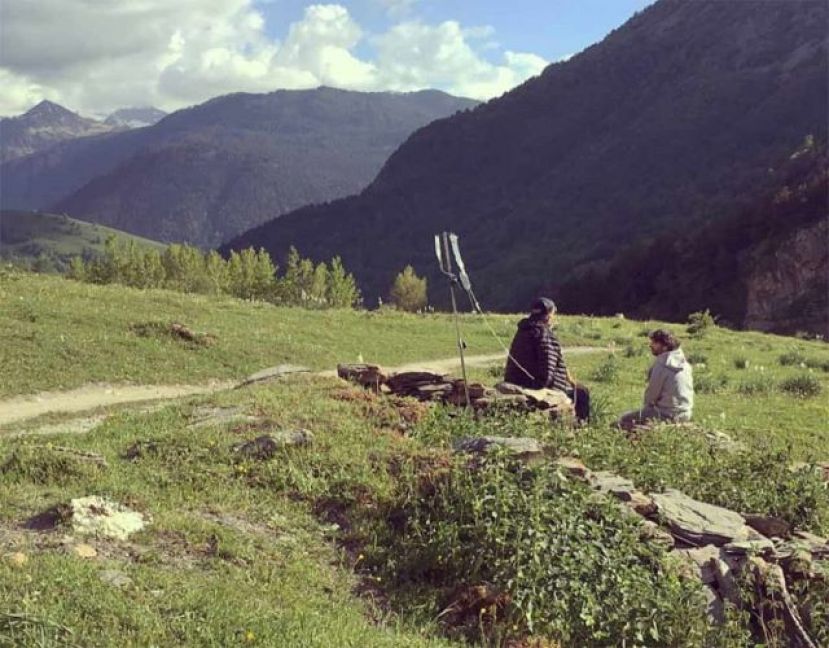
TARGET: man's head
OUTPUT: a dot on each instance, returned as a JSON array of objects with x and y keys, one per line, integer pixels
[
  {"x": 662, "y": 341},
  {"x": 543, "y": 309}
]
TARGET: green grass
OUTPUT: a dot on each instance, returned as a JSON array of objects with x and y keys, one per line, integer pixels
[
  {"x": 25, "y": 236},
  {"x": 58, "y": 334},
  {"x": 295, "y": 550}
]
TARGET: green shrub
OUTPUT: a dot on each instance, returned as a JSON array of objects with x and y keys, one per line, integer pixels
[
  {"x": 700, "y": 323},
  {"x": 792, "y": 358},
  {"x": 633, "y": 350},
  {"x": 741, "y": 362},
  {"x": 696, "y": 358},
  {"x": 557, "y": 552},
  {"x": 802, "y": 386},
  {"x": 708, "y": 383},
  {"x": 814, "y": 363},
  {"x": 756, "y": 385},
  {"x": 47, "y": 466},
  {"x": 608, "y": 371}
]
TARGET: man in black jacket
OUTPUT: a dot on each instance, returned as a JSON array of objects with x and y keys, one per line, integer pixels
[{"x": 535, "y": 359}]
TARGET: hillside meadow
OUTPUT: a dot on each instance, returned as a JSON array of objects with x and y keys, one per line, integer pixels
[{"x": 305, "y": 547}]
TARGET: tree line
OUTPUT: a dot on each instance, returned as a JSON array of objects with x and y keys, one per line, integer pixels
[{"x": 247, "y": 274}]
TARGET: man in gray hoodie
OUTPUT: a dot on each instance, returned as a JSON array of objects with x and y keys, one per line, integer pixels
[{"x": 669, "y": 395}]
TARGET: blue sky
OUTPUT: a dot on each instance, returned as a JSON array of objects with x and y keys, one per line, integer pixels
[
  {"x": 550, "y": 28},
  {"x": 174, "y": 53}
]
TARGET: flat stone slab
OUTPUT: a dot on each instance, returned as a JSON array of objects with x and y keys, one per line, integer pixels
[
  {"x": 540, "y": 398},
  {"x": 115, "y": 578},
  {"x": 698, "y": 523},
  {"x": 523, "y": 447},
  {"x": 272, "y": 373}
]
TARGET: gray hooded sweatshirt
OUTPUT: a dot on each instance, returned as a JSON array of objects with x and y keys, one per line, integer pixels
[{"x": 671, "y": 386}]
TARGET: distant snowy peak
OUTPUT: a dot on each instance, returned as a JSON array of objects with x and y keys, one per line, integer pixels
[{"x": 135, "y": 117}]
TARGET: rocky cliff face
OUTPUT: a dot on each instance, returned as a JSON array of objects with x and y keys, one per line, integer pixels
[{"x": 788, "y": 290}]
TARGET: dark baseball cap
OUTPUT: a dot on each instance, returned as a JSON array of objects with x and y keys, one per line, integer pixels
[{"x": 543, "y": 306}]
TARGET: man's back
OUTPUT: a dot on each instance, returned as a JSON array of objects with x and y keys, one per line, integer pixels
[{"x": 535, "y": 351}]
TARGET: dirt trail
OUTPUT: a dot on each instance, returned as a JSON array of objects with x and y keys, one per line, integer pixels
[{"x": 93, "y": 396}]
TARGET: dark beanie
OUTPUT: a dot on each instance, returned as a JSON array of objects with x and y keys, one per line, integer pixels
[{"x": 543, "y": 306}]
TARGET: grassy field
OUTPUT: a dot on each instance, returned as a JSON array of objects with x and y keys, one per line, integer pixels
[
  {"x": 302, "y": 550},
  {"x": 57, "y": 334},
  {"x": 26, "y": 236}
]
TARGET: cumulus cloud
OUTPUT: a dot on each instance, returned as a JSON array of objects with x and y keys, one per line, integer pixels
[
  {"x": 98, "y": 55},
  {"x": 416, "y": 55}
]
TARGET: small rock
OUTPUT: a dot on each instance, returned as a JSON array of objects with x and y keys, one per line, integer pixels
[
  {"x": 542, "y": 399},
  {"x": 764, "y": 547},
  {"x": 701, "y": 559},
  {"x": 267, "y": 445},
  {"x": 714, "y": 606},
  {"x": 98, "y": 516},
  {"x": 768, "y": 526},
  {"x": 522, "y": 447},
  {"x": 115, "y": 578},
  {"x": 367, "y": 375},
  {"x": 651, "y": 532},
  {"x": 84, "y": 551},
  {"x": 574, "y": 468}
]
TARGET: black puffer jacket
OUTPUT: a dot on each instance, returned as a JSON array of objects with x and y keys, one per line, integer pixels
[{"x": 536, "y": 349}]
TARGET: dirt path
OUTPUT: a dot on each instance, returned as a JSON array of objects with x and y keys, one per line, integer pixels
[{"x": 93, "y": 396}]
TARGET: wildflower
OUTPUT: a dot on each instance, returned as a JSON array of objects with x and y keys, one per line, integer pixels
[{"x": 249, "y": 636}]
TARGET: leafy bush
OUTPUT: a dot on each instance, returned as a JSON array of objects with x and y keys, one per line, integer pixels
[
  {"x": 554, "y": 552},
  {"x": 814, "y": 363},
  {"x": 792, "y": 358},
  {"x": 47, "y": 466},
  {"x": 608, "y": 371},
  {"x": 708, "y": 383},
  {"x": 700, "y": 323},
  {"x": 696, "y": 358},
  {"x": 633, "y": 350},
  {"x": 802, "y": 386}
]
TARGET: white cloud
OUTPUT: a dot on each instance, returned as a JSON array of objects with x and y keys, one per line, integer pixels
[
  {"x": 398, "y": 8},
  {"x": 98, "y": 55},
  {"x": 416, "y": 55}
]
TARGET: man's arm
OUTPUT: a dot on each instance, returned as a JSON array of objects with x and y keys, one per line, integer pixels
[{"x": 656, "y": 381}]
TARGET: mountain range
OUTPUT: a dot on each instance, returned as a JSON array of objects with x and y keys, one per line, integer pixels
[
  {"x": 673, "y": 121},
  {"x": 209, "y": 172}
]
